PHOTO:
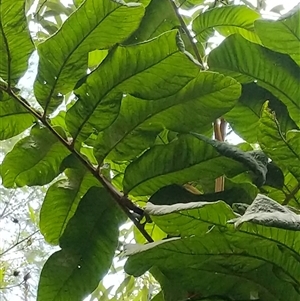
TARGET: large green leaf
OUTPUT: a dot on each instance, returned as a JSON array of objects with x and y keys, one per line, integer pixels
[
  {"x": 15, "y": 42},
  {"x": 273, "y": 71},
  {"x": 123, "y": 72},
  {"x": 61, "y": 201},
  {"x": 244, "y": 117},
  {"x": 227, "y": 20},
  {"x": 231, "y": 265},
  {"x": 34, "y": 160},
  {"x": 283, "y": 148},
  {"x": 186, "y": 159},
  {"x": 88, "y": 246},
  {"x": 194, "y": 218},
  {"x": 159, "y": 18},
  {"x": 256, "y": 161},
  {"x": 139, "y": 121},
  {"x": 64, "y": 57},
  {"x": 251, "y": 260},
  {"x": 14, "y": 118},
  {"x": 282, "y": 35}
]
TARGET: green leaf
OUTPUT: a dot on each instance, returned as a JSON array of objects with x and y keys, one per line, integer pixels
[
  {"x": 122, "y": 72},
  {"x": 174, "y": 194},
  {"x": 14, "y": 118},
  {"x": 258, "y": 255},
  {"x": 244, "y": 117},
  {"x": 255, "y": 161},
  {"x": 188, "y": 4},
  {"x": 61, "y": 201},
  {"x": 275, "y": 176},
  {"x": 183, "y": 160},
  {"x": 153, "y": 230},
  {"x": 227, "y": 20},
  {"x": 194, "y": 218},
  {"x": 64, "y": 57},
  {"x": 15, "y": 43},
  {"x": 158, "y": 297},
  {"x": 264, "y": 211},
  {"x": 289, "y": 193},
  {"x": 282, "y": 35},
  {"x": 283, "y": 149},
  {"x": 34, "y": 160},
  {"x": 140, "y": 121},
  {"x": 232, "y": 265},
  {"x": 273, "y": 71},
  {"x": 88, "y": 246},
  {"x": 159, "y": 18}
]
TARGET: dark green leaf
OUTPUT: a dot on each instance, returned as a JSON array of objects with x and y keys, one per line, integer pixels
[
  {"x": 64, "y": 57},
  {"x": 273, "y": 71},
  {"x": 232, "y": 265},
  {"x": 88, "y": 246},
  {"x": 140, "y": 121},
  {"x": 282, "y": 35},
  {"x": 34, "y": 160},
  {"x": 174, "y": 194},
  {"x": 227, "y": 20},
  {"x": 15, "y": 43},
  {"x": 275, "y": 176},
  {"x": 255, "y": 161},
  {"x": 61, "y": 201},
  {"x": 183, "y": 160},
  {"x": 122, "y": 72}
]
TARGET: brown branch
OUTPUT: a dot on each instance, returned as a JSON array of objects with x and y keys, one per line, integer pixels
[
  {"x": 220, "y": 134},
  {"x": 115, "y": 194}
]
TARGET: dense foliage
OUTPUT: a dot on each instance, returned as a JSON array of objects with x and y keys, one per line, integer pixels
[{"x": 127, "y": 119}]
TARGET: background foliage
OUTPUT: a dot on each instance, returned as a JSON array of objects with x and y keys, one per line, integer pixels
[{"x": 118, "y": 151}]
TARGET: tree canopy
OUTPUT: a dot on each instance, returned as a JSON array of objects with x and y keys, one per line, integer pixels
[{"x": 122, "y": 137}]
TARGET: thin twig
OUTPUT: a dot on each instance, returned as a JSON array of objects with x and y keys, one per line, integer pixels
[{"x": 19, "y": 242}]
